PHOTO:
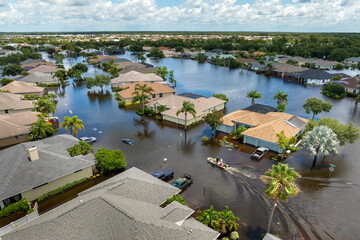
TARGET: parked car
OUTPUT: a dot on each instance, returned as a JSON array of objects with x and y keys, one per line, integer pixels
[
  {"x": 259, "y": 153},
  {"x": 89, "y": 140},
  {"x": 127, "y": 141},
  {"x": 164, "y": 175},
  {"x": 183, "y": 182}
]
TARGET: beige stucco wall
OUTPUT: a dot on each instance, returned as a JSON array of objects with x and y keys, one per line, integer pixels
[
  {"x": 12, "y": 140},
  {"x": 157, "y": 96},
  {"x": 37, "y": 192}
]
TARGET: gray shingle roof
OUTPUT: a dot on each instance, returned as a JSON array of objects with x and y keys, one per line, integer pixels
[
  {"x": 18, "y": 173},
  {"x": 106, "y": 213},
  {"x": 313, "y": 74}
]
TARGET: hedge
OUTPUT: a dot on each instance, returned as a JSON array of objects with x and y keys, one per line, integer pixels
[
  {"x": 61, "y": 189},
  {"x": 22, "y": 205},
  {"x": 48, "y": 85}
]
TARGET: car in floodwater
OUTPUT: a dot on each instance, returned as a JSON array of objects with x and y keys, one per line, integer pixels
[
  {"x": 88, "y": 140},
  {"x": 127, "y": 141},
  {"x": 259, "y": 153},
  {"x": 164, "y": 175},
  {"x": 183, "y": 182}
]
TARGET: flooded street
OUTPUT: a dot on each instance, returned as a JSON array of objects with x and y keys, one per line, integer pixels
[{"x": 327, "y": 208}]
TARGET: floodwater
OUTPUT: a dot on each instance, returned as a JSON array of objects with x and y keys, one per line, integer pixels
[{"x": 326, "y": 208}]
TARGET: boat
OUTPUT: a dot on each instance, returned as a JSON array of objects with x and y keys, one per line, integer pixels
[{"x": 213, "y": 162}]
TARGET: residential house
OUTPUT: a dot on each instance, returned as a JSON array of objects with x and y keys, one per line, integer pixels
[
  {"x": 29, "y": 170},
  {"x": 23, "y": 88},
  {"x": 262, "y": 128},
  {"x": 352, "y": 61},
  {"x": 37, "y": 77},
  {"x": 15, "y": 127},
  {"x": 134, "y": 77},
  {"x": 13, "y": 103},
  {"x": 50, "y": 70},
  {"x": 282, "y": 69},
  {"x": 325, "y": 65},
  {"x": 173, "y": 103},
  {"x": 246, "y": 60},
  {"x": 31, "y": 61},
  {"x": 30, "y": 66},
  {"x": 93, "y": 51},
  {"x": 263, "y": 67},
  {"x": 134, "y": 66},
  {"x": 106, "y": 59},
  {"x": 126, "y": 207},
  {"x": 312, "y": 76},
  {"x": 160, "y": 91},
  {"x": 352, "y": 85}
]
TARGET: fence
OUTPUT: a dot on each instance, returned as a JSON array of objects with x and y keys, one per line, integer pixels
[{"x": 20, "y": 221}]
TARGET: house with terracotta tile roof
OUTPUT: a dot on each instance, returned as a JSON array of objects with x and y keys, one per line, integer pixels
[
  {"x": 23, "y": 88},
  {"x": 160, "y": 91},
  {"x": 173, "y": 103},
  {"x": 263, "y": 128},
  {"x": 13, "y": 103}
]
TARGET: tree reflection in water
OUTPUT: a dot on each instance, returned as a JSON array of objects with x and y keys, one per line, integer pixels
[
  {"x": 187, "y": 145},
  {"x": 145, "y": 125},
  {"x": 99, "y": 96}
]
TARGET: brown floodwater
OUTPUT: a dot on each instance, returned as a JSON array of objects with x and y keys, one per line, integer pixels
[{"x": 326, "y": 208}]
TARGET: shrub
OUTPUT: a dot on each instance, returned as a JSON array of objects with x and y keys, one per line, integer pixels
[
  {"x": 25, "y": 73},
  {"x": 149, "y": 111},
  {"x": 48, "y": 84},
  {"x": 22, "y": 205},
  {"x": 30, "y": 97},
  {"x": 204, "y": 139},
  {"x": 334, "y": 91},
  {"x": 177, "y": 198},
  {"x": 221, "y": 96},
  {"x": 61, "y": 189},
  {"x": 5, "y": 81},
  {"x": 159, "y": 117},
  {"x": 119, "y": 89},
  {"x": 83, "y": 148},
  {"x": 122, "y": 103},
  {"x": 31, "y": 210},
  {"x": 234, "y": 235},
  {"x": 131, "y": 103},
  {"x": 350, "y": 94},
  {"x": 110, "y": 160},
  {"x": 292, "y": 149},
  {"x": 237, "y": 134}
]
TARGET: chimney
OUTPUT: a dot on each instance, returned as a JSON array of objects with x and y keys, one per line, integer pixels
[{"x": 33, "y": 153}]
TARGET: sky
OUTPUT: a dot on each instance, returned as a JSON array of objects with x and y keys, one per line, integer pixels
[{"x": 180, "y": 15}]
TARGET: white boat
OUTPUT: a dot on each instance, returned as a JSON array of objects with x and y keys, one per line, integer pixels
[
  {"x": 70, "y": 112},
  {"x": 213, "y": 162}
]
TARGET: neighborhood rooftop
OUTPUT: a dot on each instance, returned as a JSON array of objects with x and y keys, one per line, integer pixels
[
  {"x": 10, "y": 101},
  {"x": 22, "y": 88}
]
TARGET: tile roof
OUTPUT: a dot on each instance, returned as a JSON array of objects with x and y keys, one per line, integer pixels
[
  {"x": 287, "y": 68},
  {"x": 266, "y": 126},
  {"x": 44, "y": 69},
  {"x": 14, "y": 102},
  {"x": 246, "y": 60},
  {"x": 353, "y": 82},
  {"x": 174, "y": 103},
  {"x": 36, "y": 64},
  {"x": 104, "y": 212},
  {"x": 37, "y": 77},
  {"x": 22, "y": 88},
  {"x": 16, "y": 124},
  {"x": 101, "y": 57},
  {"x": 134, "y": 76},
  {"x": 157, "y": 87},
  {"x": 32, "y": 61},
  {"x": 18, "y": 174}
]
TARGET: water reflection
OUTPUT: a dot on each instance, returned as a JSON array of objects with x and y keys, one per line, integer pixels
[
  {"x": 144, "y": 123},
  {"x": 99, "y": 96}
]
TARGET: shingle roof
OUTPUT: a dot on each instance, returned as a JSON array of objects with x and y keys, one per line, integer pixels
[
  {"x": 260, "y": 108},
  {"x": 134, "y": 76},
  {"x": 37, "y": 77},
  {"x": 353, "y": 82},
  {"x": 29, "y": 66},
  {"x": 98, "y": 214},
  {"x": 190, "y": 95},
  {"x": 287, "y": 68},
  {"x": 44, "y": 69},
  {"x": 16, "y": 124},
  {"x": 22, "y": 88},
  {"x": 313, "y": 74},
  {"x": 18, "y": 174},
  {"x": 31, "y": 61},
  {"x": 246, "y": 60},
  {"x": 157, "y": 87},
  {"x": 354, "y": 59},
  {"x": 14, "y": 102}
]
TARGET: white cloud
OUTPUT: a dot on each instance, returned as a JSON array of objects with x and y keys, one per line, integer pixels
[{"x": 262, "y": 15}]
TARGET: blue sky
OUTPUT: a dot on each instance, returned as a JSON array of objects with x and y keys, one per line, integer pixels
[{"x": 180, "y": 15}]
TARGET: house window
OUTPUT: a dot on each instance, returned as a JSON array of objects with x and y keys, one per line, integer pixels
[
  {"x": 154, "y": 95},
  {"x": 16, "y": 137},
  {"x": 160, "y": 95},
  {"x": 354, "y": 91},
  {"x": 173, "y": 93},
  {"x": 6, "y": 111}
]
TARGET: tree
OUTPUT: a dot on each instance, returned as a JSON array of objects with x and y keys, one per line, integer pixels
[
  {"x": 253, "y": 94},
  {"x": 284, "y": 142},
  {"x": 172, "y": 78},
  {"x": 30, "y": 96},
  {"x": 80, "y": 66},
  {"x": 61, "y": 75},
  {"x": 156, "y": 53},
  {"x": 72, "y": 123},
  {"x": 100, "y": 80},
  {"x": 75, "y": 73},
  {"x": 82, "y": 148},
  {"x": 187, "y": 107},
  {"x": 281, "y": 97},
  {"x": 40, "y": 129},
  {"x": 338, "y": 77},
  {"x": 58, "y": 58},
  {"x": 179, "y": 49},
  {"x": 142, "y": 93},
  {"x": 201, "y": 57},
  {"x": 223, "y": 222},
  {"x": 281, "y": 107},
  {"x": 221, "y": 96},
  {"x": 237, "y": 134},
  {"x": 176, "y": 197},
  {"x": 140, "y": 57},
  {"x": 334, "y": 91},
  {"x": 162, "y": 72},
  {"x": 316, "y": 106},
  {"x": 12, "y": 70},
  {"x": 109, "y": 160},
  {"x": 320, "y": 139},
  {"x": 345, "y": 133},
  {"x": 45, "y": 105},
  {"x": 280, "y": 185},
  {"x": 214, "y": 119},
  {"x": 5, "y": 81}
]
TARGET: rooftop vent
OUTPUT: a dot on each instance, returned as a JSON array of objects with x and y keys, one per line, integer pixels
[{"x": 33, "y": 153}]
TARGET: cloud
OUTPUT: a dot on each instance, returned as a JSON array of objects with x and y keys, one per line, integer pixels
[{"x": 221, "y": 15}]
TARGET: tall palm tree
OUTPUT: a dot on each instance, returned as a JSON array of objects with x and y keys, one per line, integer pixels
[
  {"x": 142, "y": 93},
  {"x": 61, "y": 76},
  {"x": 40, "y": 129},
  {"x": 280, "y": 185},
  {"x": 45, "y": 105},
  {"x": 253, "y": 94},
  {"x": 72, "y": 123},
  {"x": 320, "y": 139},
  {"x": 140, "y": 57},
  {"x": 187, "y": 107},
  {"x": 281, "y": 97}
]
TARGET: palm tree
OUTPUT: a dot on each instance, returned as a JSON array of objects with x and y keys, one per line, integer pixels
[
  {"x": 40, "y": 129},
  {"x": 72, "y": 123},
  {"x": 187, "y": 107},
  {"x": 139, "y": 56},
  {"x": 61, "y": 76},
  {"x": 45, "y": 105},
  {"x": 253, "y": 94},
  {"x": 142, "y": 93},
  {"x": 281, "y": 97},
  {"x": 280, "y": 185},
  {"x": 320, "y": 139}
]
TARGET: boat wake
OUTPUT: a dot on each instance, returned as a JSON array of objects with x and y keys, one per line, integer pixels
[{"x": 235, "y": 171}]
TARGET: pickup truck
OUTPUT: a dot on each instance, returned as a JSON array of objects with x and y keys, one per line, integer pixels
[
  {"x": 183, "y": 182},
  {"x": 259, "y": 153},
  {"x": 164, "y": 175}
]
